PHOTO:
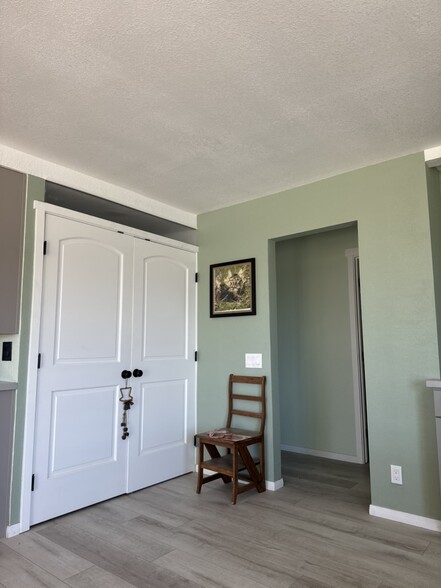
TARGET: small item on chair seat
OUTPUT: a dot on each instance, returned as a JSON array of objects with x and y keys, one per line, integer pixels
[
  {"x": 220, "y": 435},
  {"x": 223, "y": 434},
  {"x": 237, "y": 464}
]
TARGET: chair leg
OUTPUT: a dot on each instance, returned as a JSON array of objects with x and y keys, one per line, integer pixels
[
  {"x": 262, "y": 464},
  {"x": 200, "y": 468},
  {"x": 234, "y": 479}
]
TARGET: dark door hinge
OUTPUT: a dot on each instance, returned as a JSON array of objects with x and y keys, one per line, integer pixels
[
  {"x": 44, "y": 247},
  {"x": 195, "y": 355},
  {"x": 196, "y": 277},
  {"x": 32, "y": 482},
  {"x": 39, "y": 361}
]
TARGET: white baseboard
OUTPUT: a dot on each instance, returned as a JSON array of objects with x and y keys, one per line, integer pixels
[
  {"x": 13, "y": 530},
  {"x": 318, "y": 453},
  {"x": 405, "y": 517},
  {"x": 273, "y": 486}
]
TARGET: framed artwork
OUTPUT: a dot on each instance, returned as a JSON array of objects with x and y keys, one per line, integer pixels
[{"x": 233, "y": 288}]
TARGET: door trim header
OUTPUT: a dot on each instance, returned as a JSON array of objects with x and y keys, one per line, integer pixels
[{"x": 111, "y": 226}]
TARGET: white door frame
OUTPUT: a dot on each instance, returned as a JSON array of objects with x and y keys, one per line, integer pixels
[
  {"x": 41, "y": 211},
  {"x": 357, "y": 360}
]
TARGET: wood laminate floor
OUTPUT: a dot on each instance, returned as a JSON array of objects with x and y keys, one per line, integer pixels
[{"x": 315, "y": 532}]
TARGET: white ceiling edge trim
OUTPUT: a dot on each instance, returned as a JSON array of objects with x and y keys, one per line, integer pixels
[
  {"x": 432, "y": 156},
  {"x": 30, "y": 164}
]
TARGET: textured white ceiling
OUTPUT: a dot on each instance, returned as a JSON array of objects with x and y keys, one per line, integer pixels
[{"x": 204, "y": 103}]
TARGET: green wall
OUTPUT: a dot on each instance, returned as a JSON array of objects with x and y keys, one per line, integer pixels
[
  {"x": 314, "y": 342},
  {"x": 389, "y": 203},
  {"x": 434, "y": 192},
  {"x": 35, "y": 191}
]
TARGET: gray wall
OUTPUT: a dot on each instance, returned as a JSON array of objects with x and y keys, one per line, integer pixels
[{"x": 314, "y": 344}]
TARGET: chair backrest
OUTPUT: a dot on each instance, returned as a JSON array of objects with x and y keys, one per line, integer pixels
[{"x": 236, "y": 398}]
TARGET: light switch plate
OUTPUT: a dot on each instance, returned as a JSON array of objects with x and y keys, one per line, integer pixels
[{"x": 253, "y": 360}]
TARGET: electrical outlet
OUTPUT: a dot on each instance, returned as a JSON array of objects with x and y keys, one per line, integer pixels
[{"x": 396, "y": 476}]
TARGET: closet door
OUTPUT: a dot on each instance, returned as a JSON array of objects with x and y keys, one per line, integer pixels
[
  {"x": 85, "y": 343},
  {"x": 111, "y": 302},
  {"x": 162, "y": 419}
]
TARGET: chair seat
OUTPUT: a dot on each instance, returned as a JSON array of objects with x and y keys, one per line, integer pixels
[{"x": 227, "y": 437}]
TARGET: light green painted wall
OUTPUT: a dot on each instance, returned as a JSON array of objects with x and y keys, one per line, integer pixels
[
  {"x": 314, "y": 342},
  {"x": 434, "y": 192},
  {"x": 389, "y": 202},
  {"x": 35, "y": 191}
]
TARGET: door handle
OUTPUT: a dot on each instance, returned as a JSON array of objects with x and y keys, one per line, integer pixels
[
  {"x": 126, "y": 374},
  {"x": 137, "y": 373}
]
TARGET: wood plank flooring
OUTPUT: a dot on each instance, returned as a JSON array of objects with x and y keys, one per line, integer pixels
[{"x": 313, "y": 533}]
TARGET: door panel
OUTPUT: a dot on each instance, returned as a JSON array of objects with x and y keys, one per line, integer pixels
[
  {"x": 165, "y": 308},
  {"x": 163, "y": 416},
  {"x": 163, "y": 402},
  {"x": 90, "y": 277},
  {"x": 97, "y": 443},
  {"x": 85, "y": 343}
]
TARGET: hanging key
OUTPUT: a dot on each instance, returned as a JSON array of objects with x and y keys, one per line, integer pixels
[
  {"x": 127, "y": 402},
  {"x": 124, "y": 424}
]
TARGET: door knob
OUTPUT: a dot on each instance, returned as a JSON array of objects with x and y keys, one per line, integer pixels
[
  {"x": 126, "y": 374},
  {"x": 137, "y": 373}
]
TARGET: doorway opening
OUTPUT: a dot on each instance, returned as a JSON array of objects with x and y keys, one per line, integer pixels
[{"x": 320, "y": 345}]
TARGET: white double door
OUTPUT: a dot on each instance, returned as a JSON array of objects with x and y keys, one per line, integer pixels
[{"x": 111, "y": 302}]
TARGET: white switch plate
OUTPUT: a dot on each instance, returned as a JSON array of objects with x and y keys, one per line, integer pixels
[{"x": 253, "y": 360}]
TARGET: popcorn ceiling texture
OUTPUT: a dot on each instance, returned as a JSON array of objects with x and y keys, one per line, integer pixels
[{"x": 201, "y": 104}]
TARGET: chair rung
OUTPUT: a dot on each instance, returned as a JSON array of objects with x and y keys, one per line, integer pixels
[
  {"x": 245, "y": 397},
  {"x": 248, "y": 413},
  {"x": 224, "y": 464},
  {"x": 247, "y": 379}
]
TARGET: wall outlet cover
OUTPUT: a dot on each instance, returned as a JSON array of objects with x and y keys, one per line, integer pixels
[{"x": 396, "y": 475}]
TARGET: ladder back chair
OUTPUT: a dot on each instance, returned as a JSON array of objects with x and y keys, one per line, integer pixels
[{"x": 237, "y": 464}]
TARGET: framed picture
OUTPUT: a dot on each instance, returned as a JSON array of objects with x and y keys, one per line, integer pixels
[{"x": 233, "y": 288}]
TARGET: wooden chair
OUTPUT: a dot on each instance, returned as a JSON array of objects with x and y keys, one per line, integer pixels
[{"x": 237, "y": 464}]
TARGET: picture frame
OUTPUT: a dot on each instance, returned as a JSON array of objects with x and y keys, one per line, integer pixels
[{"x": 233, "y": 288}]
